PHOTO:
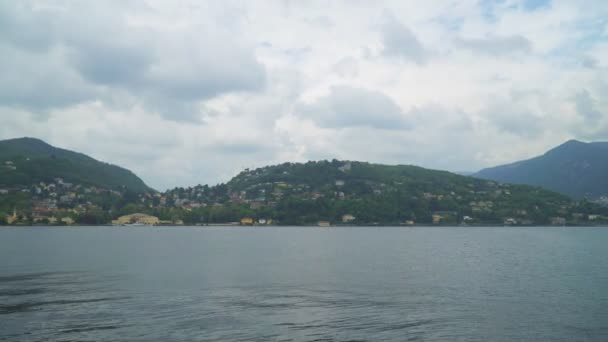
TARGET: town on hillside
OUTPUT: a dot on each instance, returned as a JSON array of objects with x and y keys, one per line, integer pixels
[{"x": 315, "y": 193}]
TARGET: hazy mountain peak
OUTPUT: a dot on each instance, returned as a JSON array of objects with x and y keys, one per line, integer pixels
[{"x": 574, "y": 168}]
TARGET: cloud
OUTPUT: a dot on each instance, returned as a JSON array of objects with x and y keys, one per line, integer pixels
[
  {"x": 40, "y": 82},
  {"x": 187, "y": 92},
  {"x": 513, "y": 115},
  {"x": 25, "y": 26},
  {"x": 346, "y": 67},
  {"x": 532, "y": 5},
  {"x": 111, "y": 62},
  {"x": 351, "y": 107},
  {"x": 497, "y": 46},
  {"x": 586, "y": 107},
  {"x": 112, "y": 58},
  {"x": 399, "y": 41},
  {"x": 516, "y": 122},
  {"x": 589, "y": 62},
  {"x": 439, "y": 138},
  {"x": 246, "y": 148}
]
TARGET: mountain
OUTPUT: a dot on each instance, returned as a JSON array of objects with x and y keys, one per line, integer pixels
[
  {"x": 574, "y": 168},
  {"x": 332, "y": 192},
  {"x": 26, "y": 161},
  {"x": 336, "y": 191}
]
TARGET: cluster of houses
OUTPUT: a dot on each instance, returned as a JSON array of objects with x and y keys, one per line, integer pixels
[
  {"x": 37, "y": 217},
  {"x": 60, "y": 202},
  {"x": 248, "y": 221},
  {"x": 56, "y": 202},
  {"x": 9, "y": 165},
  {"x": 60, "y": 190}
]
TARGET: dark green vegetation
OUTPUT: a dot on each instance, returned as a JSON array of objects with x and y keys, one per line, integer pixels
[
  {"x": 574, "y": 168},
  {"x": 340, "y": 192},
  {"x": 28, "y": 161},
  {"x": 364, "y": 193},
  {"x": 389, "y": 194}
]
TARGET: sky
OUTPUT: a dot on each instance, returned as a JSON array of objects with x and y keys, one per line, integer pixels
[{"x": 184, "y": 92}]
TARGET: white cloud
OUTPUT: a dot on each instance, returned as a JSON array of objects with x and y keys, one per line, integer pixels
[
  {"x": 399, "y": 41},
  {"x": 191, "y": 92},
  {"x": 352, "y": 107},
  {"x": 497, "y": 46},
  {"x": 113, "y": 54}
]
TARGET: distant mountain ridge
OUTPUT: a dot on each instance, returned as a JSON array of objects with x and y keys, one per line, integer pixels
[
  {"x": 575, "y": 168},
  {"x": 312, "y": 193},
  {"x": 25, "y": 161}
]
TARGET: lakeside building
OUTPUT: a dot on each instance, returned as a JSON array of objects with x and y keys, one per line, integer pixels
[
  {"x": 10, "y": 219},
  {"x": 171, "y": 222},
  {"x": 247, "y": 221},
  {"x": 68, "y": 220},
  {"x": 137, "y": 218},
  {"x": 348, "y": 218}
]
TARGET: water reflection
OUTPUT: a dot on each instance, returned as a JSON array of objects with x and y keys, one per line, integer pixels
[
  {"x": 305, "y": 285},
  {"x": 36, "y": 306}
]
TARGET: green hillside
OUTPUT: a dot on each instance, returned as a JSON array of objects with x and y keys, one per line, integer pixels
[
  {"x": 26, "y": 161},
  {"x": 574, "y": 168},
  {"x": 338, "y": 192},
  {"x": 296, "y": 193}
]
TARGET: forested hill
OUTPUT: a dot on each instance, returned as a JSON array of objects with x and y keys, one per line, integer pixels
[
  {"x": 327, "y": 190},
  {"x": 319, "y": 192},
  {"x": 574, "y": 168},
  {"x": 27, "y": 161}
]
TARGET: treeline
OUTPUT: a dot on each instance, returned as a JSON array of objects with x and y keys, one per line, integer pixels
[{"x": 385, "y": 210}]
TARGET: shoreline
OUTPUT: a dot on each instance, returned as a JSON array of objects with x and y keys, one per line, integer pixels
[{"x": 227, "y": 225}]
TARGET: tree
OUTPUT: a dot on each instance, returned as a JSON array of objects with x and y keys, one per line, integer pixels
[{"x": 94, "y": 217}]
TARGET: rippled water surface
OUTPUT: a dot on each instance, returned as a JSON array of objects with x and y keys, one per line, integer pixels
[{"x": 303, "y": 284}]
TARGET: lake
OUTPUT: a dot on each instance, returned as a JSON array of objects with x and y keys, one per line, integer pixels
[{"x": 303, "y": 284}]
